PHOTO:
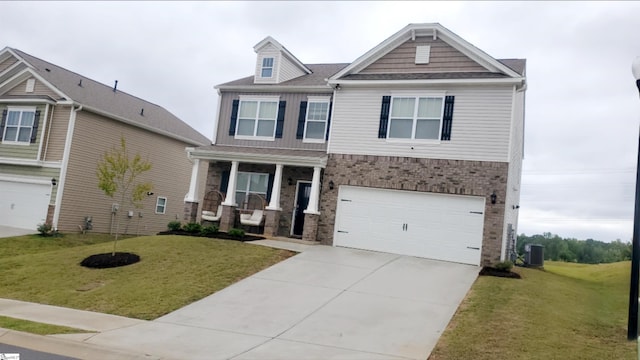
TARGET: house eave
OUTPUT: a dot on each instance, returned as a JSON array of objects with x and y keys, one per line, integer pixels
[
  {"x": 258, "y": 158},
  {"x": 275, "y": 88},
  {"x": 362, "y": 83}
]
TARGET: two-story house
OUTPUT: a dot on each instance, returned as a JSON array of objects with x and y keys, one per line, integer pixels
[
  {"x": 55, "y": 127},
  {"x": 414, "y": 148}
]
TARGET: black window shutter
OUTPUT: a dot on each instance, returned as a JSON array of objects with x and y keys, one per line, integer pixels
[
  {"x": 234, "y": 117},
  {"x": 447, "y": 118},
  {"x": 34, "y": 128},
  {"x": 384, "y": 117},
  {"x": 326, "y": 137},
  {"x": 301, "y": 119},
  {"x": 224, "y": 181},
  {"x": 3, "y": 122},
  {"x": 269, "y": 187},
  {"x": 280, "y": 122}
]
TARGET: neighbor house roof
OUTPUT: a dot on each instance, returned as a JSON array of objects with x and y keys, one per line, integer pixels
[{"x": 95, "y": 96}]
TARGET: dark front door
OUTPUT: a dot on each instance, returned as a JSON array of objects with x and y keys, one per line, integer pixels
[{"x": 302, "y": 201}]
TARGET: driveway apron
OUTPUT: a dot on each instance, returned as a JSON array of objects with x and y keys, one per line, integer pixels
[{"x": 325, "y": 303}]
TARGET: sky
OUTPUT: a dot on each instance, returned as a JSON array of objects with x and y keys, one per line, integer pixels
[{"x": 582, "y": 105}]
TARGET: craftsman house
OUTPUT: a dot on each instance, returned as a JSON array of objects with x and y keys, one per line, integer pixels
[{"x": 414, "y": 148}]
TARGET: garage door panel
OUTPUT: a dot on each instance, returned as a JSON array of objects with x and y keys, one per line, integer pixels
[
  {"x": 444, "y": 227},
  {"x": 23, "y": 205}
]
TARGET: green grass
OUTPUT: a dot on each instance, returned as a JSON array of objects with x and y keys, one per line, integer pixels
[
  {"x": 33, "y": 244},
  {"x": 568, "y": 311},
  {"x": 173, "y": 272},
  {"x": 36, "y": 327}
]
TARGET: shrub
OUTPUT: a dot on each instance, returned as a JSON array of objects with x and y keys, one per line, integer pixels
[
  {"x": 237, "y": 233},
  {"x": 504, "y": 266},
  {"x": 209, "y": 230},
  {"x": 174, "y": 225},
  {"x": 192, "y": 228},
  {"x": 45, "y": 230}
]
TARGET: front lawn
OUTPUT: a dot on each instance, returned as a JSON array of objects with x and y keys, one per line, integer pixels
[
  {"x": 173, "y": 272},
  {"x": 567, "y": 311}
]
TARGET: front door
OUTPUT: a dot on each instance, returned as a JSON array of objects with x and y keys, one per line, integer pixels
[{"x": 303, "y": 190}]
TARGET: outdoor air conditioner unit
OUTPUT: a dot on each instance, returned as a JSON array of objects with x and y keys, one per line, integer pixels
[{"x": 534, "y": 255}]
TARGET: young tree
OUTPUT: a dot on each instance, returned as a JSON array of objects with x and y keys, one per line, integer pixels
[{"x": 118, "y": 175}]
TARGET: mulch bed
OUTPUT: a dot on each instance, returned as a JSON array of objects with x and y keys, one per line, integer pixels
[
  {"x": 110, "y": 260},
  {"x": 489, "y": 271},
  {"x": 218, "y": 235}
]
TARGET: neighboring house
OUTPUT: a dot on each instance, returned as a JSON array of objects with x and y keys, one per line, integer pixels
[
  {"x": 415, "y": 148},
  {"x": 56, "y": 125}
]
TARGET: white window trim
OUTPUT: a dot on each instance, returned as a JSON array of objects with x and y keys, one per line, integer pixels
[
  {"x": 402, "y": 94},
  {"x": 259, "y": 99},
  {"x": 246, "y": 191},
  {"x": 273, "y": 66},
  {"x": 164, "y": 207},
  {"x": 316, "y": 99},
  {"x": 4, "y": 131}
]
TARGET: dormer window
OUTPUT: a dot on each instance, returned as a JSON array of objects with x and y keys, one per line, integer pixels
[{"x": 267, "y": 67}]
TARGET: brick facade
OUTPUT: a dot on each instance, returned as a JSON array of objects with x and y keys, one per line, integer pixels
[
  {"x": 461, "y": 177},
  {"x": 190, "y": 211}
]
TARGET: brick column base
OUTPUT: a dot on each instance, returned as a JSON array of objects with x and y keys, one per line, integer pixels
[
  {"x": 50, "y": 211},
  {"x": 310, "y": 229},
  {"x": 271, "y": 222},
  {"x": 227, "y": 219},
  {"x": 190, "y": 211}
]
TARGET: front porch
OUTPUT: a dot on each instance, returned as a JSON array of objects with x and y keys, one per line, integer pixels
[{"x": 282, "y": 186}]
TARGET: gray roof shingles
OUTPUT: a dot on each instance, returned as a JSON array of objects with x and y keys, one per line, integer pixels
[{"x": 102, "y": 97}]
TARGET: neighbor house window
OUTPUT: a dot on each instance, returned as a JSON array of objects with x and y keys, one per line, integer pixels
[
  {"x": 316, "y": 120},
  {"x": 18, "y": 125},
  {"x": 161, "y": 205},
  {"x": 257, "y": 118},
  {"x": 251, "y": 183},
  {"x": 267, "y": 67},
  {"x": 415, "y": 118}
]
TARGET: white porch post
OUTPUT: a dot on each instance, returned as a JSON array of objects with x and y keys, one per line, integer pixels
[
  {"x": 274, "y": 204},
  {"x": 193, "y": 185},
  {"x": 312, "y": 208},
  {"x": 230, "y": 200}
]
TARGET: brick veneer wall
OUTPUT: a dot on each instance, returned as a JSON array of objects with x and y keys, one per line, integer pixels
[{"x": 461, "y": 177}]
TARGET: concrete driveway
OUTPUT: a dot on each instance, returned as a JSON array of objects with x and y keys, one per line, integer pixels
[
  {"x": 325, "y": 303},
  {"x": 7, "y": 231}
]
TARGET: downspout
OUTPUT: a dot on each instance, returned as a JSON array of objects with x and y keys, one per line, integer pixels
[{"x": 65, "y": 163}]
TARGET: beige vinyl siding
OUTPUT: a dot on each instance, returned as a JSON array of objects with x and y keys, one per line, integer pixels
[
  {"x": 267, "y": 51},
  {"x": 39, "y": 89},
  {"x": 7, "y": 63},
  {"x": 170, "y": 174},
  {"x": 288, "y": 70},
  {"x": 46, "y": 173},
  {"x": 20, "y": 151},
  {"x": 11, "y": 73},
  {"x": 56, "y": 135},
  {"x": 288, "y": 140},
  {"x": 443, "y": 58},
  {"x": 480, "y": 127}
]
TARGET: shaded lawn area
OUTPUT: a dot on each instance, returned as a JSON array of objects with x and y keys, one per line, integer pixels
[
  {"x": 567, "y": 311},
  {"x": 173, "y": 272},
  {"x": 36, "y": 327}
]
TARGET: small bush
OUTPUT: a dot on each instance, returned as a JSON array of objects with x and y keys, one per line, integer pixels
[
  {"x": 174, "y": 225},
  {"x": 192, "y": 228},
  {"x": 209, "y": 230},
  {"x": 504, "y": 266},
  {"x": 47, "y": 230},
  {"x": 237, "y": 233}
]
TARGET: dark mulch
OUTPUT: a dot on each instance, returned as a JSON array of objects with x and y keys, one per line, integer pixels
[
  {"x": 109, "y": 260},
  {"x": 489, "y": 271},
  {"x": 218, "y": 235}
]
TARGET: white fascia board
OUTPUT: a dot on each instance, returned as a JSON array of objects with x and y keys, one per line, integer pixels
[
  {"x": 288, "y": 160},
  {"x": 28, "y": 71},
  {"x": 283, "y": 50},
  {"x": 40, "y": 180},
  {"x": 28, "y": 101},
  {"x": 428, "y": 82},
  {"x": 35, "y": 163},
  {"x": 276, "y": 88}
]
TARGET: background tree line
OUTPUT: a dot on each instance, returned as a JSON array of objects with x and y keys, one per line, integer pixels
[{"x": 573, "y": 250}]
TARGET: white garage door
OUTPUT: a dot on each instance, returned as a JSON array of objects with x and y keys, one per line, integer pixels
[
  {"x": 435, "y": 226},
  {"x": 23, "y": 205}
]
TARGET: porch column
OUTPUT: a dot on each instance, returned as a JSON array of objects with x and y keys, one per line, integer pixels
[
  {"x": 230, "y": 199},
  {"x": 312, "y": 208},
  {"x": 193, "y": 185},
  {"x": 274, "y": 204}
]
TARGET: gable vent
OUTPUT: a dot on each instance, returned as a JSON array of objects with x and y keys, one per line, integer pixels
[
  {"x": 31, "y": 84},
  {"x": 422, "y": 54}
]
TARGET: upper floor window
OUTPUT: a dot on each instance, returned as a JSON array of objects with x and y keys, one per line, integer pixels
[
  {"x": 257, "y": 118},
  {"x": 316, "y": 120},
  {"x": 415, "y": 118},
  {"x": 161, "y": 205},
  {"x": 267, "y": 67},
  {"x": 19, "y": 125},
  {"x": 251, "y": 183}
]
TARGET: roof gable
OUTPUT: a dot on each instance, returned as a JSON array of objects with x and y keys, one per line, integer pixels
[{"x": 277, "y": 46}]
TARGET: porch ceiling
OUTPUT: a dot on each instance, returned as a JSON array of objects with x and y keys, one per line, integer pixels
[{"x": 257, "y": 155}]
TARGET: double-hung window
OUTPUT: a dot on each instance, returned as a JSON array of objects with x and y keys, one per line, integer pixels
[
  {"x": 161, "y": 205},
  {"x": 316, "y": 119},
  {"x": 257, "y": 118},
  {"x": 19, "y": 125},
  {"x": 416, "y": 117},
  {"x": 250, "y": 183},
  {"x": 267, "y": 67}
]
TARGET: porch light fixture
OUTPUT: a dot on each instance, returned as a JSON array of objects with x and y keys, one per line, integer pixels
[
  {"x": 290, "y": 181},
  {"x": 149, "y": 193},
  {"x": 493, "y": 197},
  {"x": 331, "y": 185},
  {"x": 54, "y": 182},
  {"x": 632, "y": 324}
]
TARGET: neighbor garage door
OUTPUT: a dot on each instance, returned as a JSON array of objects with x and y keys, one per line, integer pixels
[
  {"x": 435, "y": 226},
  {"x": 23, "y": 205}
]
